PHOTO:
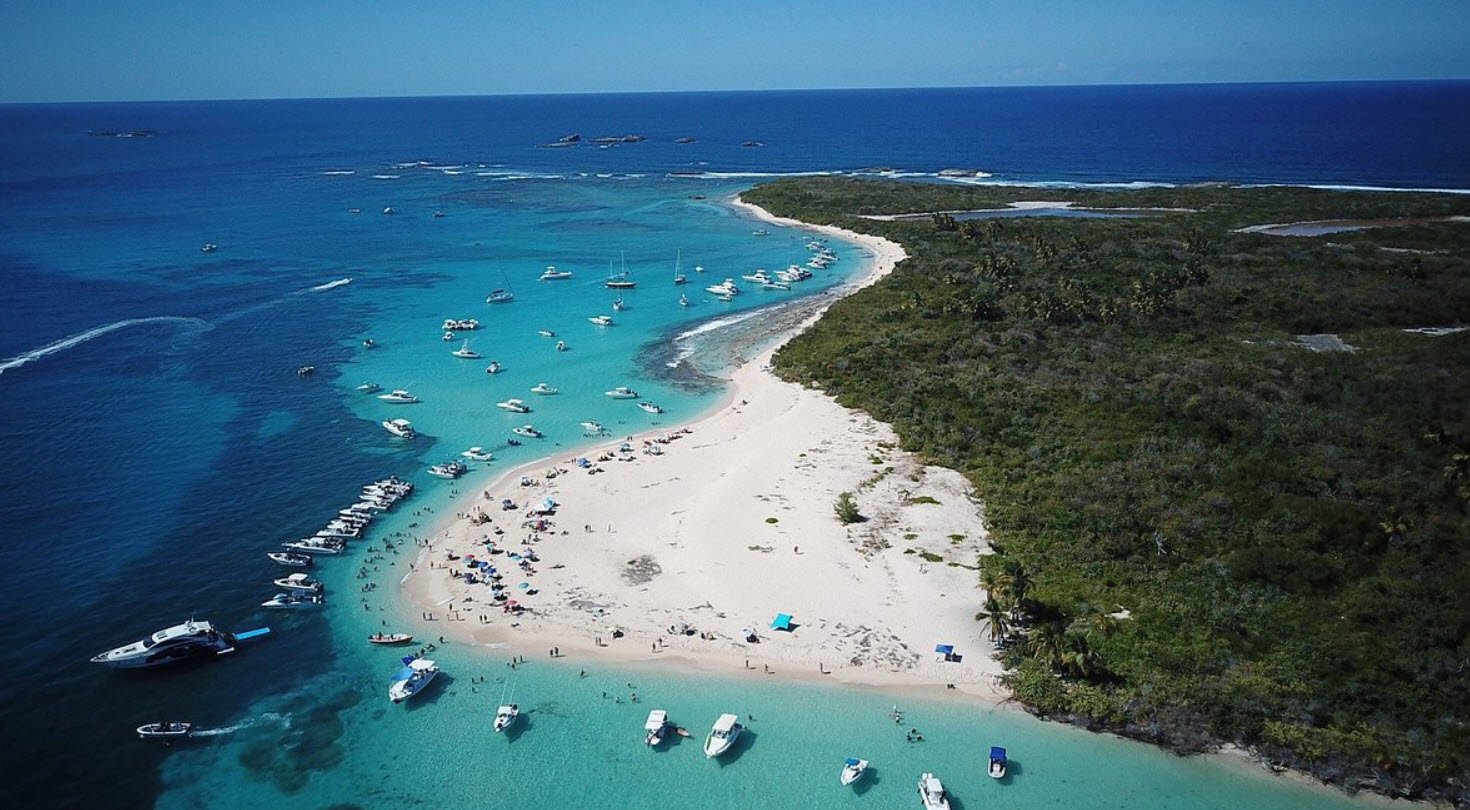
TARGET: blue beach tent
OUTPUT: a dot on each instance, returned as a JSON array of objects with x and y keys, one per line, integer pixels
[
  {"x": 945, "y": 649},
  {"x": 782, "y": 622}
]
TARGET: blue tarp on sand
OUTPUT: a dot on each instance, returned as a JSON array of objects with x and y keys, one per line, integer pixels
[{"x": 781, "y": 622}]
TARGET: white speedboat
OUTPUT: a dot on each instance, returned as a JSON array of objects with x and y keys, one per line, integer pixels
[
  {"x": 546, "y": 333},
  {"x": 449, "y": 469},
  {"x": 167, "y": 730},
  {"x": 601, "y": 320},
  {"x": 299, "y": 583},
  {"x": 528, "y": 431},
  {"x": 398, "y": 396},
  {"x": 997, "y": 767},
  {"x": 465, "y": 352},
  {"x": 726, "y": 730},
  {"x": 209, "y": 247},
  {"x": 561, "y": 345},
  {"x": 448, "y": 337},
  {"x": 514, "y": 406},
  {"x": 494, "y": 367},
  {"x": 553, "y": 274},
  {"x": 500, "y": 297},
  {"x": 187, "y": 640},
  {"x": 477, "y": 454},
  {"x": 316, "y": 545},
  {"x": 649, "y": 407},
  {"x": 293, "y": 601},
  {"x": 369, "y": 388},
  {"x": 932, "y": 793},
  {"x": 506, "y": 715},
  {"x": 594, "y": 428},
  {"x": 399, "y": 427},
  {"x": 853, "y": 770},
  {"x": 726, "y": 287},
  {"x": 621, "y": 392},
  {"x": 758, "y": 277},
  {"x": 656, "y": 727},
  {"x": 775, "y": 285},
  {"x": 289, "y": 560},
  {"x": 699, "y": 268},
  {"x": 415, "y": 675},
  {"x": 544, "y": 389}
]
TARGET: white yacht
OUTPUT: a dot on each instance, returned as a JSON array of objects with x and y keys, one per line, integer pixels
[
  {"x": 316, "y": 545},
  {"x": 595, "y": 428},
  {"x": 415, "y": 675},
  {"x": 932, "y": 793},
  {"x": 699, "y": 268},
  {"x": 449, "y": 469},
  {"x": 457, "y": 324},
  {"x": 400, "y": 427},
  {"x": 192, "y": 638},
  {"x": 448, "y": 337},
  {"x": 758, "y": 277},
  {"x": 561, "y": 345},
  {"x": 853, "y": 770},
  {"x": 724, "y": 288},
  {"x": 299, "y": 583},
  {"x": 500, "y": 297},
  {"x": 726, "y": 730},
  {"x": 649, "y": 407},
  {"x": 506, "y": 715},
  {"x": 514, "y": 405},
  {"x": 544, "y": 389},
  {"x": 656, "y": 727},
  {"x": 293, "y": 601},
  {"x": 553, "y": 274},
  {"x": 369, "y": 388},
  {"x": 601, "y": 320},
  {"x": 477, "y": 454},
  {"x": 494, "y": 367},
  {"x": 621, "y": 392},
  {"x": 164, "y": 731},
  {"x": 398, "y": 397},
  {"x": 545, "y": 333},
  {"x": 997, "y": 767},
  {"x": 775, "y": 285},
  {"x": 528, "y": 431},
  {"x": 465, "y": 352}
]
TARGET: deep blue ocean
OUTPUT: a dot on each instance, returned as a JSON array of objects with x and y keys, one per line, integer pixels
[{"x": 156, "y": 440}]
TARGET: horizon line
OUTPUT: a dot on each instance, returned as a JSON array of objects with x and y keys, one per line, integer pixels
[{"x": 223, "y": 99}]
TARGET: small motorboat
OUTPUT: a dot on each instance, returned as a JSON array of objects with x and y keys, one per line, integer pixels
[
  {"x": 465, "y": 352},
  {"x": 853, "y": 770},
  {"x": 656, "y": 727},
  {"x": 411, "y": 680},
  {"x": 601, "y": 320},
  {"x": 299, "y": 583},
  {"x": 305, "y": 371},
  {"x": 369, "y": 343},
  {"x": 209, "y": 247},
  {"x": 316, "y": 545},
  {"x": 594, "y": 428},
  {"x": 561, "y": 345},
  {"x": 449, "y": 469},
  {"x": 683, "y": 300},
  {"x": 448, "y": 337},
  {"x": 369, "y": 388},
  {"x": 528, "y": 431},
  {"x": 389, "y": 211},
  {"x": 506, "y": 715},
  {"x": 438, "y": 215},
  {"x": 401, "y": 428},
  {"x": 621, "y": 392},
  {"x": 293, "y": 601},
  {"x": 289, "y": 560},
  {"x": 167, "y": 730},
  {"x": 997, "y": 769},
  {"x": 493, "y": 368},
  {"x": 477, "y": 454},
  {"x": 398, "y": 396},
  {"x": 389, "y": 639},
  {"x": 932, "y": 793},
  {"x": 545, "y": 333},
  {"x": 514, "y": 406},
  {"x": 650, "y": 407},
  {"x": 723, "y": 735},
  {"x": 544, "y": 389},
  {"x": 553, "y": 274}
]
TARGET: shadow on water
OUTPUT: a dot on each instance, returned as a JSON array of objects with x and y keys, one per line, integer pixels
[
  {"x": 523, "y": 724},
  {"x": 441, "y": 685},
  {"x": 1014, "y": 768},
  {"x": 742, "y": 744},
  {"x": 867, "y": 782}
]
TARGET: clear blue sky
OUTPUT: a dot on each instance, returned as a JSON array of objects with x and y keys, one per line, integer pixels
[{"x": 67, "y": 50}]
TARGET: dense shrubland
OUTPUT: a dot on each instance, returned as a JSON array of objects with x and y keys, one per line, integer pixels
[{"x": 1203, "y": 531}]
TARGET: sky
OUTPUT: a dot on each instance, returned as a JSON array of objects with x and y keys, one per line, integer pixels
[{"x": 116, "y": 50}]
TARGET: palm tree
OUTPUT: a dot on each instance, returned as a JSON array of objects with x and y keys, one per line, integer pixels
[
  {"x": 1048, "y": 644},
  {"x": 1079, "y": 657},
  {"x": 998, "y": 616}
]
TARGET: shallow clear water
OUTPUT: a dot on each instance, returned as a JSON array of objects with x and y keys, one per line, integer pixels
[{"x": 157, "y": 441}]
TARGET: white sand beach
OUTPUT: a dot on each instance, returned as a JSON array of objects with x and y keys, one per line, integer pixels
[{"x": 723, "y": 524}]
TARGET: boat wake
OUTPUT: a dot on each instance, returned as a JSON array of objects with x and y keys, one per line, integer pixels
[
  {"x": 283, "y": 720},
  {"x": 330, "y": 284},
  {"x": 93, "y": 333}
]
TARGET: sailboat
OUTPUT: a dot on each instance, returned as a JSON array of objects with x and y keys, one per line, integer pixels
[
  {"x": 678, "y": 276},
  {"x": 621, "y": 280},
  {"x": 506, "y": 714},
  {"x": 502, "y": 295}
]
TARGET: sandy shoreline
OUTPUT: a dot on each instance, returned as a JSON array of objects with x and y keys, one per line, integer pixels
[{"x": 731, "y": 523}]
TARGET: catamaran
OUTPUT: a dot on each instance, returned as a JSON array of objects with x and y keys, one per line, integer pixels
[{"x": 506, "y": 715}]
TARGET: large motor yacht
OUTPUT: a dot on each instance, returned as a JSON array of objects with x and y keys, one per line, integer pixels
[{"x": 187, "y": 640}]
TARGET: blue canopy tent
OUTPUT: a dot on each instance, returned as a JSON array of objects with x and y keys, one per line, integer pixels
[
  {"x": 782, "y": 622},
  {"x": 946, "y": 650}
]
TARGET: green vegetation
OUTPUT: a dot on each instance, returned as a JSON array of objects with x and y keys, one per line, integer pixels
[
  {"x": 1203, "y": 531},
  {"x": 847, "y": 510}
]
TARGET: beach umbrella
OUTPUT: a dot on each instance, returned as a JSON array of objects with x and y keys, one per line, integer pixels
[{"x": 524, "y": 585}]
